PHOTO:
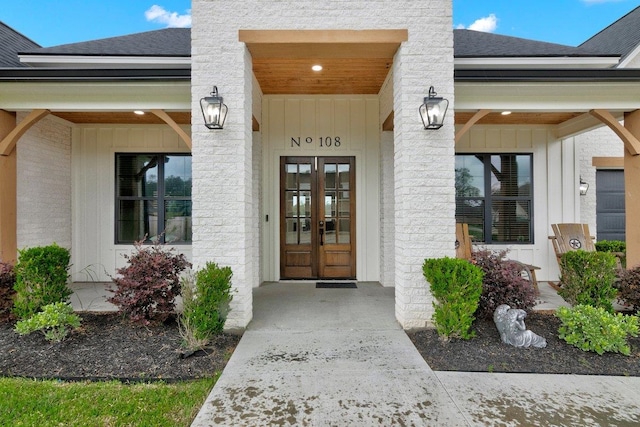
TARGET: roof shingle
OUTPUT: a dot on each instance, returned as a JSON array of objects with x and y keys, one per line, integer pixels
[
  {"x": 11, "y": 42},
  {"x": 165, "y": 42},
  {"x": 477, "y": 44},
  {"x": 620, "y": 38}
]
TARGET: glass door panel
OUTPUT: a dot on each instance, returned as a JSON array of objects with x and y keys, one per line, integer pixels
[{"x": 317, "y": 217}]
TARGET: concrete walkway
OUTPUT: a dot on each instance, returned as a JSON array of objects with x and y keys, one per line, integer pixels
[{"x": 337, "y": 357}]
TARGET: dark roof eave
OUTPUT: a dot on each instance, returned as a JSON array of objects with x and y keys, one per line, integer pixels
[
  {"x": 98, "y": 55},
  {"x": 92, "y": 74},
  {"x": 524, "y": 57},
  {"x": 540, "y": 75}
]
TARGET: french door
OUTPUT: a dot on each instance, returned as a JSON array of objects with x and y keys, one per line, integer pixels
[{"x": 317, "y": 218}]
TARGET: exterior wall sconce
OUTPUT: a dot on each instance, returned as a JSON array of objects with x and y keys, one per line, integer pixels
[
  {"x": 213, "y": 110},
  {"x": 584, "y": 187},
  {"x": 433, "y": 110}
]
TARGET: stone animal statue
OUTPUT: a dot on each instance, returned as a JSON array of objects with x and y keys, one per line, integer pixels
[{"x": 510, "y": 324}]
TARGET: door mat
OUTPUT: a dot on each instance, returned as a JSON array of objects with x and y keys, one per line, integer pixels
[{"x": 339, "y": 285}]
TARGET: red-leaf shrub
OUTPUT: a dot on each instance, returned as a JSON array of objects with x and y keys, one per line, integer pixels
[
  {"x": 502, "y": 282},
  {"x": 628, "y": 286},
  {"x": 7, "y": 282},
  {"x": 149, "y": 284}
]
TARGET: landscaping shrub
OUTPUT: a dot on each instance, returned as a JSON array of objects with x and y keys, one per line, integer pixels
[
  {"x": 53, "y": 321},
  {"x": 7, "y": 282},
  {"x": 588, "y": 278},
  {"x": 148, "y": 285},
  {"x": 616, "y": 247},
  {"x": 628, "y": 286},
  {"x": 456, "y": 284},
  {"x": 502, "y": 283},
  {"x": 42, "y": 273},
  {"x": 206, "y": 296},
  {"x": 595, "y": 329}
]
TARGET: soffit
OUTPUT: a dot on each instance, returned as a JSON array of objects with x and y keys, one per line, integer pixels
[
  {"x": 121, "y": 117},
  {"x": 517, "y": 118},
  {"x": 354, "y": 62}
]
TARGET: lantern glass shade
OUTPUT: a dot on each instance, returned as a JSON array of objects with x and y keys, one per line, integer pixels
[
  {"x": 584, "y": 187},
  {"x": 214, "y": 110},
  {"x": 433, "y": 110}
]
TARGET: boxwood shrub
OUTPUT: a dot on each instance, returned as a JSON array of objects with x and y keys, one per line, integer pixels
[
  {"x": 456, "y": 284},
  {"x": 42, "y": 275}
]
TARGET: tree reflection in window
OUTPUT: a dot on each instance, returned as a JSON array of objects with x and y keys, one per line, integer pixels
[
  {"x": 153, "y": 197},
  {"x": 505, "y": 216}
]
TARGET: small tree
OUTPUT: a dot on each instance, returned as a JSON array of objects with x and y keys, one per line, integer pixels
[
  {"x": 148, "y": 285},
  {"x": 456, "y": 284}
]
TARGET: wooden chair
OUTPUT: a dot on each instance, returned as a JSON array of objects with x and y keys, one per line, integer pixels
[
  {"x": 569, "y": 237},
  {"x": 463, "y": 251}
]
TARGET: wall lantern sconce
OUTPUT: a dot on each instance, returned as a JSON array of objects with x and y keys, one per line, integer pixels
[
  {"x": 433, "y": 110},
  {"x": 584, "y": 187},
  {"x": 213, "y": 110}
]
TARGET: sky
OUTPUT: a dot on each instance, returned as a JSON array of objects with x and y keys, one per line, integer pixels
[{"x": 55, "y": 22}]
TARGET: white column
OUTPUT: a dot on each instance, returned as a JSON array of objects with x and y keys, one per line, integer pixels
[
  {"x": 423, "y": 168},
  {"x": 224, "y": 218}
]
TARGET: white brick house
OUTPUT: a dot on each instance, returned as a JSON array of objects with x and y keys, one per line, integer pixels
[{"x": 316, "y": 175}]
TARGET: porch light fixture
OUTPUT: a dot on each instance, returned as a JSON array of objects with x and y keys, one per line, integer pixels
[
  {"x": 584, "y": 187},
  {"x": 433, "y": 110},
  {"x": 213, "y": 110}
]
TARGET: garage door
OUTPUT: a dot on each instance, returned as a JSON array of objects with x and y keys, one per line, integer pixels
[{"x": 610, "y": 204}]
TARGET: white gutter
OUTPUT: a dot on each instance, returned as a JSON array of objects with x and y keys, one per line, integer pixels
[
  {"x": 77, "y": 61},
  {"x": 536, "y": 62}
]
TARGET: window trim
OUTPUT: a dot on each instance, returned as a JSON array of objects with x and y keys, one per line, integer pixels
[
  {"x": 160, "y": 199},
  {"x": 488, "y": 198}
]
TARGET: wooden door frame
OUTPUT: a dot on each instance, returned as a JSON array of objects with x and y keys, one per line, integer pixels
[{"x": 314, "y": 161}]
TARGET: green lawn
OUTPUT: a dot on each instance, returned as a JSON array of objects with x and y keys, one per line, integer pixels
[{"x": 25, "y": 402}]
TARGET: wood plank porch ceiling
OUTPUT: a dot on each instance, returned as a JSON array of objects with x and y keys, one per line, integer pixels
[
  {"x": 354, "y": 62},
  {"x": 184, "y": 117}
]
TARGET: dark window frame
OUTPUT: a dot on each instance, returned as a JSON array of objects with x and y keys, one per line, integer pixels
[
  {"x": 160, "y": 199},
  {"x": 488, "y": 198}
]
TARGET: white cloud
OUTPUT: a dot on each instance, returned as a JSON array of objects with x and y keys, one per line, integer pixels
[
  {"x": 171, "y": 19},
  {"x": 488, "y": 24}
]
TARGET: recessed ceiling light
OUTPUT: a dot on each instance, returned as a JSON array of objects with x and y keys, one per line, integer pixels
[
  {"x": 139, "y": 112},
  {"x": 317, "y": 67},
  {"x": 506, "y": 113}
]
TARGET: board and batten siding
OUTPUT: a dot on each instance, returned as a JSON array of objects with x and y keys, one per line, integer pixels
[
  {"x": 353, "y": 119},
  {"x": 95, "y": 255},
  {"x": 554, "y": 171}
]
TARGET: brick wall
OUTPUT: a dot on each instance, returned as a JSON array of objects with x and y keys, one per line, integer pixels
[
  {"x": 224, "y": 215},
  {"x": 44, "y": 184}
]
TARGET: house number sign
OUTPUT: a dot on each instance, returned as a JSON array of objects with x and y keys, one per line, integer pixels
[{"x": 322, "y": 142}]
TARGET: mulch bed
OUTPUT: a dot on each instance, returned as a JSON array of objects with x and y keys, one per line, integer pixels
[
  {"x": 109, "y": 347},
  {"x": 487, "y": 353}
]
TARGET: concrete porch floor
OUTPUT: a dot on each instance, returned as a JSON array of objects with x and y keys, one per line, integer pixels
[{"x": 92, "y": 296}]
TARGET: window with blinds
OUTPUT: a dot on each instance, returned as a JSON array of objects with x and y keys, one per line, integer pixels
[
  {"x": 153, "y": 198},
  {"x": 494, "y": 195}
]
